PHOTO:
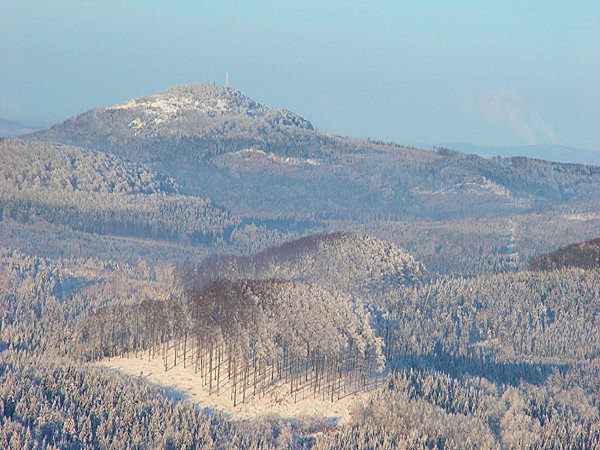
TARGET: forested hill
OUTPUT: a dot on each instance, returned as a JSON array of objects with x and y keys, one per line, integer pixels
[
  {"x": 585, "y": 255},
  {"x": 359, "y": 264},
  {"x": 191, "y": 122},
  {"x": 43, "y": 165},
  {"x": 263, "y": 162},
  {"x": 91, "y": 191}
]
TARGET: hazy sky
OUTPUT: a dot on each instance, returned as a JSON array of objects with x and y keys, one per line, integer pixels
[{"x": 488, "y": 72}]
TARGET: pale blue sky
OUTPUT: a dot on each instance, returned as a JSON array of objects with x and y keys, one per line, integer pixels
[{"x": 494, "y": 73}]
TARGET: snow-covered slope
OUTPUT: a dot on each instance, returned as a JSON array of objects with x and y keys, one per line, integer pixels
[
  {"x": 172, "y": 109},
  {"x": 100, "y": 193},
  {"x": 54, "y": 167}
]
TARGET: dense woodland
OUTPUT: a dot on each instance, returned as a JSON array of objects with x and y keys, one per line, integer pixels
[
  {"x": 246, "y": 338},
  {"x": 520, "y": 341},
  {"x": 358, "y": 264},
  {"x": 459, "y": 295},
  {"x": 55, "y": 403},
  {"x": 97, "y": 193}
]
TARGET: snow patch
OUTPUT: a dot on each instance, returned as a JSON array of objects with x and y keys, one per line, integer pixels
[
  {"x": 165, "y": 107},
  {"x": 284, "y": 160},
  {"x": 486, "y": 185},
  {"x": 582, "y": 217},
  {"x": 137, "y": 123},
  {"x": 496, "y": 188},
  {"x": 221, "y": 105},
  {"x": 129, "y": 104}
]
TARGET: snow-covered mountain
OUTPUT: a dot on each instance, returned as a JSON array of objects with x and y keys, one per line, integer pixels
[
  {"x": 189, "y": 122},
  {"x": 259, "y": 161},
  {"x": 176, "y": 107}
]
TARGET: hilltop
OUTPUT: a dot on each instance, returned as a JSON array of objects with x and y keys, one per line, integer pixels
[
  {"x": 585, "y": 255},
  {"x": 40, "y": 165},
  {"x": 358, "y": 264},
  {"x": 191, "y": 121}
]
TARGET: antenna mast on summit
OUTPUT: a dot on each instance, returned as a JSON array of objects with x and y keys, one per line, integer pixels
[{"x": 227, "y": 79}]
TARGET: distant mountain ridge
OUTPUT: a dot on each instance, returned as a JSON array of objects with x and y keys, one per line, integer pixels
[
  {"x": 262, "y": 162},
  {"x": 13, "y": 128},
  {"x": 559, "y": 153}
]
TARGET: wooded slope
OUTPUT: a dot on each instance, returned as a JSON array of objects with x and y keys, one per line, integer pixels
[
  {"x": 95, "y": 192},
  {"x": 347, "y": 262},
  {"x": 585, "y": 255}
]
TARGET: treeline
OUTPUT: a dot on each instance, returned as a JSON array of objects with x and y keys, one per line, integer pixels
[{"x": 585, "y": 255}]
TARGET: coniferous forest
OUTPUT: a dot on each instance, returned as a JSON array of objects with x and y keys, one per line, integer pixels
[{"x": 423, "y": 299}]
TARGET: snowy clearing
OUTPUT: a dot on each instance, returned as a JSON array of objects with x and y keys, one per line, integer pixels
[{"x": 185, "y": 383}]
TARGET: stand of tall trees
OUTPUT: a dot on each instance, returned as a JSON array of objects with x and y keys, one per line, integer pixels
[{"x": 246, "y": 337}]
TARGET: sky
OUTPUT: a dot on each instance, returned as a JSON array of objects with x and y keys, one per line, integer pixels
[{"x": 499, "y": 73}]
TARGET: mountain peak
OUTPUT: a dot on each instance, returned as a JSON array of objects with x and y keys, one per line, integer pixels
[
  {"x": 191, "y": 98},
  {"x": 193, "y": 121},
  {"x": 216, "y": 118},
  {"x": 192, "y": 101}
]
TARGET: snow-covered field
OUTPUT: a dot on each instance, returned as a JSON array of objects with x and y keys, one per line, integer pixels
[{"x": 184, "y": 383}]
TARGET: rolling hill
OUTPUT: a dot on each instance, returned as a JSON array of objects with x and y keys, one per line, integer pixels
[
  {"x": 345, "y": 262},
  {"x": 100, "y": 193},
  {"x": 37, "y": 165}
]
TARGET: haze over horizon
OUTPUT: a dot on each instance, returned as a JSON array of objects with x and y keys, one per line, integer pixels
[{"x": 502, "y": 75}]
